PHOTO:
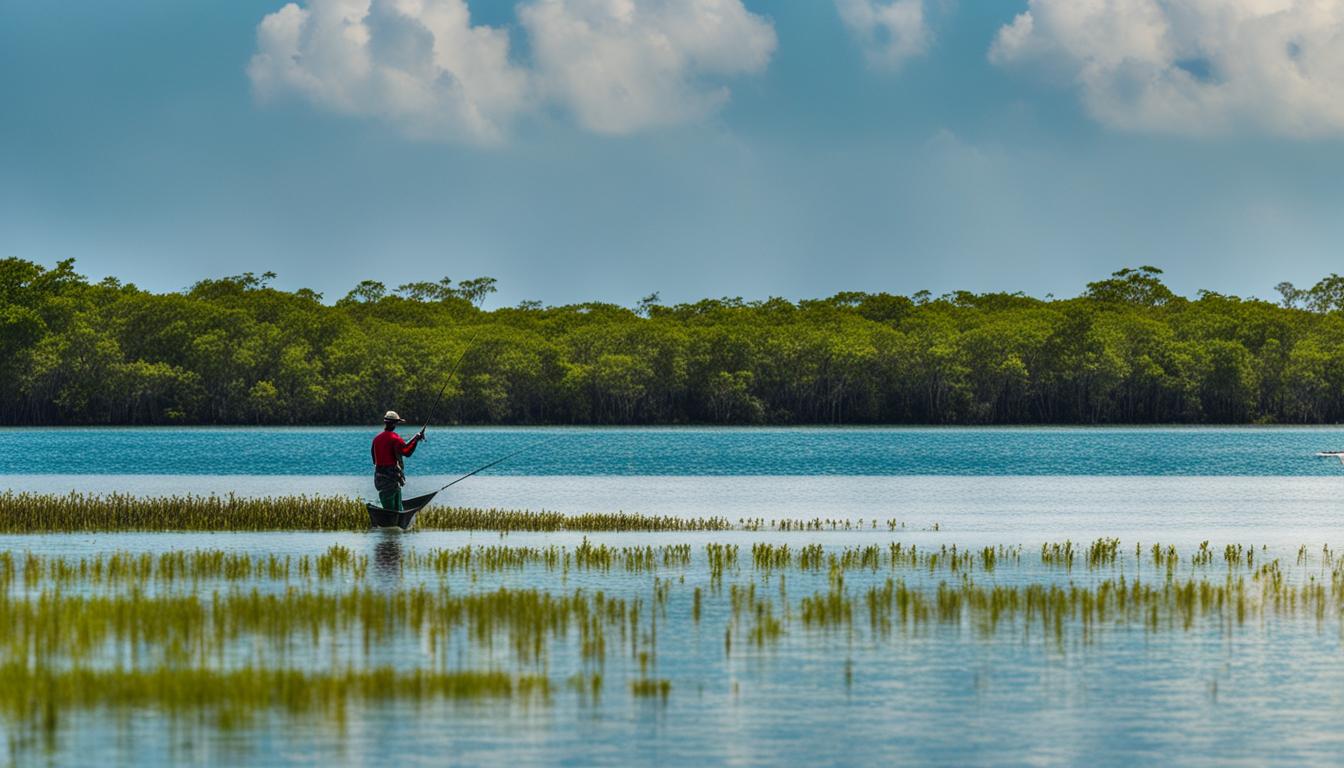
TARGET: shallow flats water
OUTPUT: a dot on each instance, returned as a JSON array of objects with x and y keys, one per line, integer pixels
[
  {"x": 846, "y": 647},
  {"x": 1028, "y": 596}
]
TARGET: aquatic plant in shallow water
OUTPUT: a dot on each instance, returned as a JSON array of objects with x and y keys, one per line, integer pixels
[
  {"x": 121, "y": 630},
  {"x": 38, "y": 513},
  {"x": 47, "y": 513},
  {"x": 647, "y": 688},
  {"x": 37, "y": 697}
]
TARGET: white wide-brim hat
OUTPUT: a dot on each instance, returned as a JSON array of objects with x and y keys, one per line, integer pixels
[{"x": 392, "y": 416}]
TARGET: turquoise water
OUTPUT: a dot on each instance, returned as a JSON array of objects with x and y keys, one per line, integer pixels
[{"x": 688, "y": 452}]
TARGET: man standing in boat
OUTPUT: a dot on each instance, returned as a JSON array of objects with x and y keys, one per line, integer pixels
[{"x": 388, "y": 451}]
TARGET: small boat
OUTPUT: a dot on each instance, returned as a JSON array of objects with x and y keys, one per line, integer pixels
[
  {"x": 1332, "y": 454},
  {"x": 386, "y": 518}
]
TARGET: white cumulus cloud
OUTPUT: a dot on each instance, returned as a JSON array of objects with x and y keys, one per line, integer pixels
[
  {"x": 618, "y": 65},
  {"x": 624, "y": 65},
  {"x": 419, "y": 64},
  {"x": 1192, "y": 66},
  {"x": 890, "y": 31}
]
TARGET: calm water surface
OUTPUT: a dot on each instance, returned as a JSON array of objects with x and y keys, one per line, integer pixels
[
  {"x": 1269, "y": 693},
  {"x": 681, "y": 452}
]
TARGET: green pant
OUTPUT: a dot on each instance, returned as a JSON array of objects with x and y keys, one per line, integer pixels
[
  {"x": 387, "y": 482},
  {"x": 391, "y": 498}
]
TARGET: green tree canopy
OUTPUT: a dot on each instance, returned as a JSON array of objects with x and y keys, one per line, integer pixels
[{"x": 237, "y": 350}]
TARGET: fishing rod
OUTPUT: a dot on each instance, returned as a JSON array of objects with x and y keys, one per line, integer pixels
[
  {"x": 449, "y": 380},
  {"x": 401, "y": 462},
  {"x": 498, "y": 461}
]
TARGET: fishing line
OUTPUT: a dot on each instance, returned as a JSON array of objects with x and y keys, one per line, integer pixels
[{"x": 499, "y": 461}]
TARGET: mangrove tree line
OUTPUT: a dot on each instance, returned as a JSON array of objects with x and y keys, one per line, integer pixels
[{"x": 236, "y": 350}]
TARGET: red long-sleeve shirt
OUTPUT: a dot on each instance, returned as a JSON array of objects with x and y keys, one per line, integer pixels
[{"x": 388, "y": 447}]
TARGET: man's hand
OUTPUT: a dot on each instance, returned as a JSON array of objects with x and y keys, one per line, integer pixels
[{"x": 420, "y": 436}]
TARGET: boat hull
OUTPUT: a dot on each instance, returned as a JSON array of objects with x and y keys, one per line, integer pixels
[{"x": 385, "y": 518}]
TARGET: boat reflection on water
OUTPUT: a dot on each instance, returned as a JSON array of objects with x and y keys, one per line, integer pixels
[{"x": 387, "y": 553}]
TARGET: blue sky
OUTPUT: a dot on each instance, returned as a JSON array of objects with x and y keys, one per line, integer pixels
[{"x": 792, "y": 151}]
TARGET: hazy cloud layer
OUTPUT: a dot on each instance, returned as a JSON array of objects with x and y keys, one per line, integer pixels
[
  {"x": 890, "y": 31},
  {"x": 619, "y": 66},
  {"x": 1191, "y": 66}
]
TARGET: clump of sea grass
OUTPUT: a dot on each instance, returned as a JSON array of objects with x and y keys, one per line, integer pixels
[
  {"x": 36, "y": 697},
  {"x": 51, "y": 513},
  {"x": 461, "y": 518},
  {"x": 46, "y": 513},
  {"x": 649, "y": 688}
]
